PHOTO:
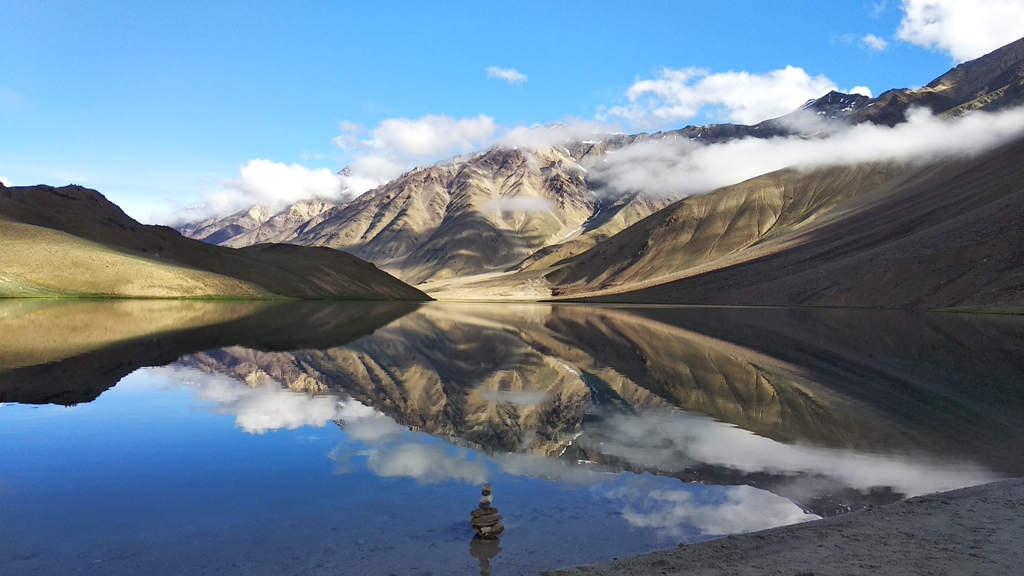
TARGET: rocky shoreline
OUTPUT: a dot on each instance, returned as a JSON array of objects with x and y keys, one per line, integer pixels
[{"x": 976, "y": 530}]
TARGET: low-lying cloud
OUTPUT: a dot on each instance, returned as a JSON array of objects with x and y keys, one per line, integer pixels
[
  {"x": 738, "y": 97},
  {"x": 677, "y": 166}
]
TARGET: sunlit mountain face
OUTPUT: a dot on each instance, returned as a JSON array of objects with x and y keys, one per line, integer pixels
[{"x": 206, "y": 434}]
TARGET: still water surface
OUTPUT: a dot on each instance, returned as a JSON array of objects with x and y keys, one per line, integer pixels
[{"x": 311, "y": 438}]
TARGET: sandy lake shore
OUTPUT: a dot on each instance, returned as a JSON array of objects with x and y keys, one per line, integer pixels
[{"x": 976, "y": 530}]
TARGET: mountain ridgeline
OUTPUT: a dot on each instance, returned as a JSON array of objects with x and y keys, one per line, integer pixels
[{"x": 543, "y": 221}]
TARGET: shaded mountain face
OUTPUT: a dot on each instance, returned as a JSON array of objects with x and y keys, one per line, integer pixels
[{"x": 73, "y": 241}]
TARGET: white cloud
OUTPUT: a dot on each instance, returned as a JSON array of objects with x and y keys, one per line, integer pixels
[
  {"x": 966, "y": 29},
  {"x": 431, "y": 136},
  {"x": 267, "y": 183},
  {"x": 395, "y": 145},
  {"x": 510, "y": 75},
  {"x": 681, "y": 167},
  {"x": 377, "y": 156},
  {"x": 862, "y": 90},
  {"x": 520, "y": 204},
  {"x": 874, "y": 42},
  {"x": 5, "y": 181},
  {"x": 738, "y": 97}
]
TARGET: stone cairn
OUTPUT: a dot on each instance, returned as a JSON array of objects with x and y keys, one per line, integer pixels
[{"x": 485, "y": 519}]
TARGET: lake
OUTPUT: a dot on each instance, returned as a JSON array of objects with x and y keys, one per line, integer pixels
[{"x": 181, "y": 437}]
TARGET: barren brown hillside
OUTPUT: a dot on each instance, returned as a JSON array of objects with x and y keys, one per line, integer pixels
[{"x": 944, "y": 236}]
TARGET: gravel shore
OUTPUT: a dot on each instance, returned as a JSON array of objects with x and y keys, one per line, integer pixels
[{"x": 976, "y": 530}]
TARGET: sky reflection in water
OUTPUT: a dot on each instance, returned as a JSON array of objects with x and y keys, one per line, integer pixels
[{"x": 364, "y": 456}]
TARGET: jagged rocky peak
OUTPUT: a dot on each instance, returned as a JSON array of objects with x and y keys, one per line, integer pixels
[
  {"x": 305, "y": 209},
  {"x": 836, "y": 104},
  {"x": 219, "y": 230}
]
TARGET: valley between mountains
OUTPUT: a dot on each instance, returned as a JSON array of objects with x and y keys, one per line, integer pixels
[{"x": 612, "y": 217}]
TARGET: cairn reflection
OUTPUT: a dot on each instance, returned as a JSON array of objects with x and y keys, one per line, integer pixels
[{"x": 484, "y": 551}]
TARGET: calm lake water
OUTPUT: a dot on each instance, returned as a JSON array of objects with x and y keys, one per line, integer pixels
[{"x": 148, "y": 437}]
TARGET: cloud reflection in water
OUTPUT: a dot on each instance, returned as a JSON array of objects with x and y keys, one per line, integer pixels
[
  {"x": 674, "y": 440},
  {"x": 727, "y": 510}
]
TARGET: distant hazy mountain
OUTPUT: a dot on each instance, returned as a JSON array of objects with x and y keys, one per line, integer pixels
[
  {"x": 73, "y": 241},
  {"x": 221, "y": 230}
]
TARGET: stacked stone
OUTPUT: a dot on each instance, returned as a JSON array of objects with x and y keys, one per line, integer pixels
[{"x": 485, "y": 519}]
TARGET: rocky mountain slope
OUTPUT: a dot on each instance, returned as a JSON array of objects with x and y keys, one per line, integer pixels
[
  {"x": 73, "y": 241},
  {"x": 942, "y": 236}
]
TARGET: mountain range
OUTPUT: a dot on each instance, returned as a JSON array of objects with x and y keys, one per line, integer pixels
[
  {"x": 544, "y": 221},
  {"x": 555, "y": 214}
]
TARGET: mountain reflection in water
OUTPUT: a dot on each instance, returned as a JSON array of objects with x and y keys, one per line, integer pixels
[
  {"x": 614, "y": 389},
  {"x": 724, "y": 420}
]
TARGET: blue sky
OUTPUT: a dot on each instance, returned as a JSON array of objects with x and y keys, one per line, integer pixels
[{"x": 157, "y": 104}]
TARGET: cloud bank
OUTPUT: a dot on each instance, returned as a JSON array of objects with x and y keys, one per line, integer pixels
[
  {"x": 510, "y": 75},
  {"x": 737, "y": 97},
  {"x": 966, "y": 29},
  {"x": 680, "y": 167}
]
